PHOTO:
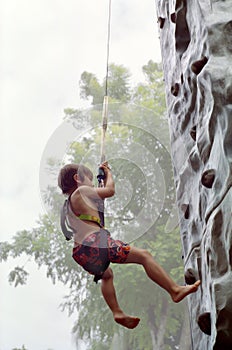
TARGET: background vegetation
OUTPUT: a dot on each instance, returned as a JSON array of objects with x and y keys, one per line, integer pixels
[{"x": 137, "y": 149}]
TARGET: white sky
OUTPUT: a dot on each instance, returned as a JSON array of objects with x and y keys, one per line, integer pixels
[{"x": 45, "y": 46}]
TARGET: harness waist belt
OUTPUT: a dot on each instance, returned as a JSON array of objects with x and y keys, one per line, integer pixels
[{"x": 89, "y": 218}]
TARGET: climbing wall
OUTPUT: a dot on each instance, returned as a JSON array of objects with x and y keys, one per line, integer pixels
[{"x": 196, "y": 45}]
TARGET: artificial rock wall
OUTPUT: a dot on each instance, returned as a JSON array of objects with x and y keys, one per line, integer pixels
[{"x": 196, "y": 45}]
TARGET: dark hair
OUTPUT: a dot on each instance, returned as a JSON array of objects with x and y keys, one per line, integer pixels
[{"x": 66, "y": 181}]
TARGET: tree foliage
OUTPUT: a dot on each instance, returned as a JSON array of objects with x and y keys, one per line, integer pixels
[{"x": 161, "y": 320}]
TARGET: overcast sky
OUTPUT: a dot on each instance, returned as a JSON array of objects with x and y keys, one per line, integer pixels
[{"x": 45, "y": 46}]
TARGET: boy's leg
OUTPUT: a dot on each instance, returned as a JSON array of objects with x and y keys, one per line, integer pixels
[
  {"x": 109, "y": 295},
  {"x": 157, "y": 274}
]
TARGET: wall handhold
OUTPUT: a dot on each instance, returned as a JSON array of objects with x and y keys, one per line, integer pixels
[
  {"x": 173, "y": 17},
  {"x": 194, "y": 161},
  {"x": 161, "y": 21},
  {"x": 197, "y": 66},
  {"x": 185, "y": 209},
  {"x": 175, "y": 89},
  {"x": 191, "y": 276},
  {"x": 182, "y": 33},
  {"x": 208, "y": 178},
  {"x": 193, "y": 132},
  {"x": 204, "y": 322}
]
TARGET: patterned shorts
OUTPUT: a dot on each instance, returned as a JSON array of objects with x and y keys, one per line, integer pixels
[{"x": 87, "y": 254}]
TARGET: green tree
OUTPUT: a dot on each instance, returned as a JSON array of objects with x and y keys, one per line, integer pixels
[
  {"x": 161, "y": 320},
  {"x": 90, "y": 87},
  {"x": 118, "y": 84}
]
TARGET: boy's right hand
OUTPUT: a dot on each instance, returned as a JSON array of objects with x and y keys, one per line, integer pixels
[{"x": 105, "y": 167}]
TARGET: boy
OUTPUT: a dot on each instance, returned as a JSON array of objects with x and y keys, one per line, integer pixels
[{"x": 80, "y": 213}]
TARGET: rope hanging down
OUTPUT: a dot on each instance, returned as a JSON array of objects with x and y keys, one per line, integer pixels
[
  {"x": 101, "y": 174},
  {"x": 108, "y": 50},
  {"x": 106, "y": 100}
]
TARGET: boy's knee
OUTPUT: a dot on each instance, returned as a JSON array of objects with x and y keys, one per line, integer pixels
[{"x": 146, "y": 254}]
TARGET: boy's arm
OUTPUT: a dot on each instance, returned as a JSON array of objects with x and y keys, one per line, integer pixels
[
  {"x": 100, "y": 192},
  {"x": 108, "y": 182}
]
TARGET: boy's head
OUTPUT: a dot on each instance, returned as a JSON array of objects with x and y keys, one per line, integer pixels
[{"x": 66, "y": 177}]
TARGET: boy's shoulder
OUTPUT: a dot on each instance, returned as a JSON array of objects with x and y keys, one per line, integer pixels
[{"x": 83, "y": 191}]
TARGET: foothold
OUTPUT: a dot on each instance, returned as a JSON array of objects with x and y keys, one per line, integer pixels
[
  {"x": 173, "y": 17},
  {"x": 193, "y": 133},
  {"x": 185, "y": 209},
  {"x": 199, "y": 65},
  {"x": 182, "y": 33},
  {"x": 182, "y": 79},
  {"x": 204, "y": 322},
  {"x": 161, "y": 21},
  {"x": 175, "y": 89},
  {"x": 227, "y": 30},
  {"x": 208, "y": 178},
  {"x": 190, "y": 276},
  {"x": 194, "y": 160},
  {"x": 230, "y": 256}
]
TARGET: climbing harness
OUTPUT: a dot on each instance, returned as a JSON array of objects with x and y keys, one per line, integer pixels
[
  {"x": 66, "y": 213},
  {"x": 68, "y": 230}
]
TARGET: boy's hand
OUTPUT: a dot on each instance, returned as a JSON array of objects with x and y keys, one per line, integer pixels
[
  {"x": 105, "y": 167},
  {"x": 108, "y": 190},
  {"x": 107, "y": 171}
]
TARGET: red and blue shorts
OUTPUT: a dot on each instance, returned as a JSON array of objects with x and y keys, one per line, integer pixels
[{"x": 87, "y": 254}]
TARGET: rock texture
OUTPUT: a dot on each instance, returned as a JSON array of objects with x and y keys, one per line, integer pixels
[{"x": 196, "y": 44}]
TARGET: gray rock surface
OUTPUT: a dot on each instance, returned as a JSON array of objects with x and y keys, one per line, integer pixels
[{"x": 196, "y": 45}]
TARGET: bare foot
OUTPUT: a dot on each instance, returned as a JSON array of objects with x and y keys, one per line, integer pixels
[
  {"x": 183, "y": 291},
  {"x": 126, "y": 321}
]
